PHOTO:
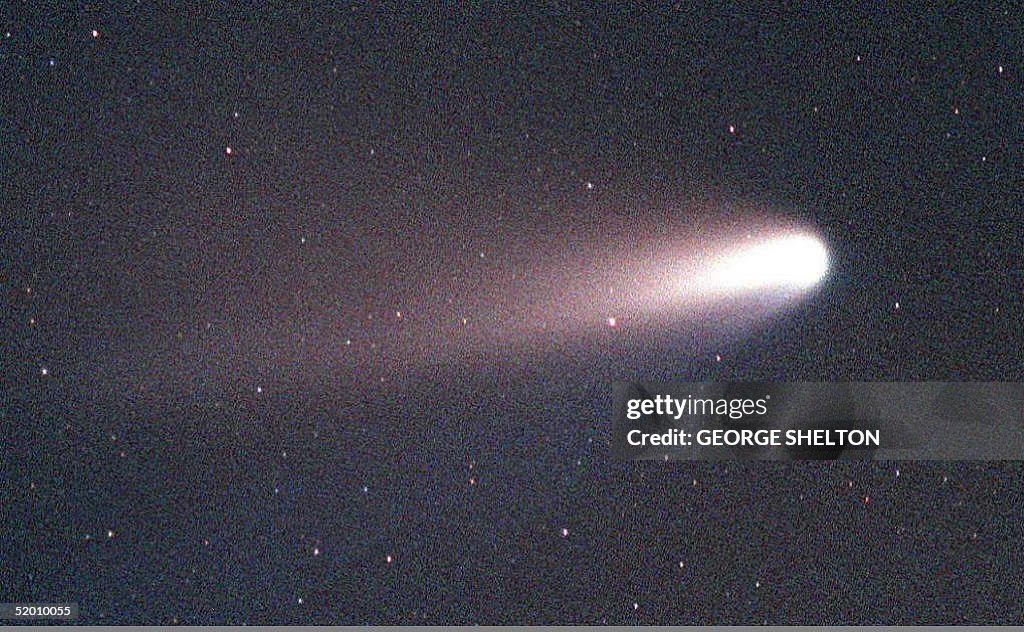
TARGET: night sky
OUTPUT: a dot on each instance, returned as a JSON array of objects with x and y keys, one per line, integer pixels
[{"x": 311, "y": 315}]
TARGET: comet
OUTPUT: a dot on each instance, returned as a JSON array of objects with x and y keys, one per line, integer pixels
[
  {"x": 763, "y": 270},
  {"x": 788, "y": 262}
]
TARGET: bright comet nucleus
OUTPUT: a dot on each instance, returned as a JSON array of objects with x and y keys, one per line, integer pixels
[{"x": 795, "y": 261}]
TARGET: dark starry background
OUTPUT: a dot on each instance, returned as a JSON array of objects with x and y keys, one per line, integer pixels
[{"x": 233, "y": 238}]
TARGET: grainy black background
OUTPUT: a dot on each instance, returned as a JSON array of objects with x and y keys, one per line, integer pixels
[{"x": 231, "y": 235}]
